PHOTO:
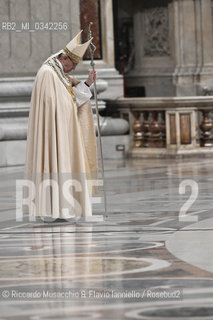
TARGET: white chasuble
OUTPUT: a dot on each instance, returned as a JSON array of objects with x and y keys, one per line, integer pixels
[{"x": 61, "y": 156}]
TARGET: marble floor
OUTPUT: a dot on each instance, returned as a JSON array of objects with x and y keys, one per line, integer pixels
[{"x": 152, "y": 257}]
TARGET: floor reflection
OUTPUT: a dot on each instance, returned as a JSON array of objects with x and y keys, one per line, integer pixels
[{"x": 142, "y": 246}]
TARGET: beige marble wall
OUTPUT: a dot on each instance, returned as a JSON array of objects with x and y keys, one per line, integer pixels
[{"x": 24, "y": 52}]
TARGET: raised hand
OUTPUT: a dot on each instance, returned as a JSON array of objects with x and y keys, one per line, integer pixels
[{"x": 91, "y": 77}]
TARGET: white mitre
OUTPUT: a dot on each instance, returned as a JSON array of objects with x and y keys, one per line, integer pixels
[{"x": 75, "y": 50}]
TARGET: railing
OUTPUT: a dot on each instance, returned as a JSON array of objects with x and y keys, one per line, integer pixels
[{"x": 179, "y": 125}]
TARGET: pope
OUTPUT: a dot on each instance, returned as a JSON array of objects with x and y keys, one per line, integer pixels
[{"x": 61, "y": 155}]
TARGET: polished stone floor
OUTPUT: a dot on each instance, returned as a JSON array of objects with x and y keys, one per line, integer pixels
[{"x": 152, "y": 257}]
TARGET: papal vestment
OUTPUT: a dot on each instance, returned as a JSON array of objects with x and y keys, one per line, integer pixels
[{"x": 61, "y": 156}]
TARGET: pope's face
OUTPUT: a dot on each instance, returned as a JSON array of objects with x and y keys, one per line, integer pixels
[{"x": 68, "y": 64}]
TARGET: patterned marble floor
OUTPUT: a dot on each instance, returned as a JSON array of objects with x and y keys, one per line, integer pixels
[{"x": 152, "y": 258}]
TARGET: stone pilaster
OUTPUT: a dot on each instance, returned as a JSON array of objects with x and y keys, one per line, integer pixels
[
  {"x": 185, "y": 24},
  {"x": 206, "y": 72},
  {"x": 193, "y": 46}
]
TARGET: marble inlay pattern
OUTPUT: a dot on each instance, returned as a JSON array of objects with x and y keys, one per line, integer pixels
[{"x": 114, "y": 269}]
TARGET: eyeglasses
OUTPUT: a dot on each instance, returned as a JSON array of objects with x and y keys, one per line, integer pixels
[{"x": 74, "y": 63}]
